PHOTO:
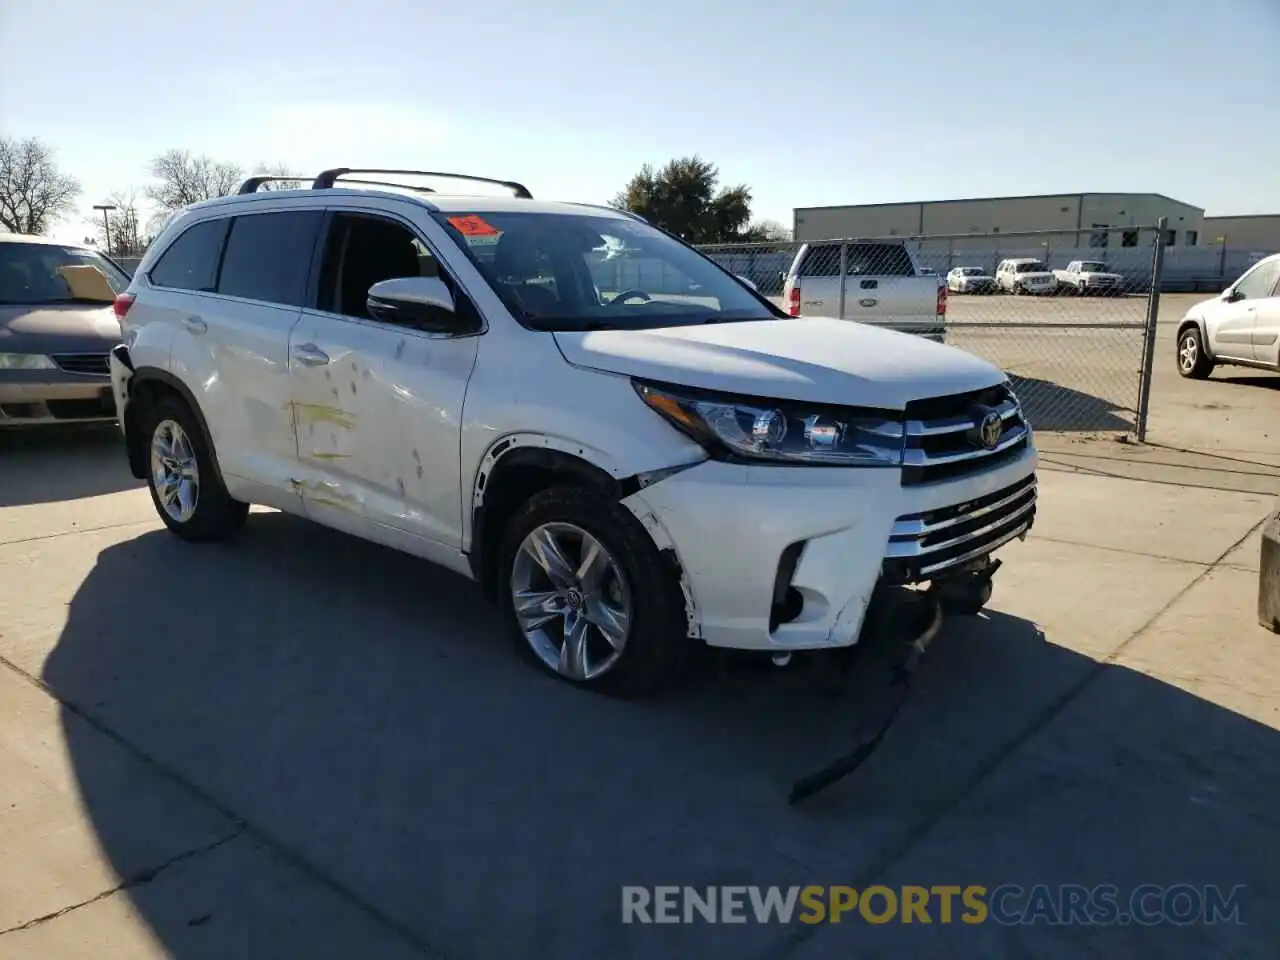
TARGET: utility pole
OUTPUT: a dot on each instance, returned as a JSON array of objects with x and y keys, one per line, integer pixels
[{"x": 106, "y": 224}]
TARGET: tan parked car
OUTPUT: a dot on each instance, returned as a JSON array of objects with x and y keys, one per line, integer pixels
[{"x": 57, "y": 326}]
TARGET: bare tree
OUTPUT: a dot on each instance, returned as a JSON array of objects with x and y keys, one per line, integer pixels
[
  {"x": 122, "y": 234},
  {"x": 34, "y": 193},
  {"x": 183, "y": 179},
  {"x": 292, "y": 181}
]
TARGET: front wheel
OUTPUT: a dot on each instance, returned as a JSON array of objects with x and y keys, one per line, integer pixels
[
  {"x": 587, "y": 595},
  {"x": 1193, "y": 362},
  {"x": 185, "y": 486}
]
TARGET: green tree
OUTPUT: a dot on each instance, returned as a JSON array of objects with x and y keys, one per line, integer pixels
[{"x": 683, "y": 199}]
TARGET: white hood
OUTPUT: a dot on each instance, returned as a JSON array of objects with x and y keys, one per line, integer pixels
[{"x": 816, "y": 359}]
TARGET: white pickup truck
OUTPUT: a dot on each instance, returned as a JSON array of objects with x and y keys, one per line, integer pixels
[
  {"x": 1089, "y": 276},
  {"x": 882, "y": 284}
]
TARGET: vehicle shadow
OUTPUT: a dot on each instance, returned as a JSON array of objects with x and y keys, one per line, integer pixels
[
  {"x": 46, "y": 464},
  {"x": 1051, "y": 406},
  {"x": 1271, "y": 382},
  {"x": 366, "y": 712}
]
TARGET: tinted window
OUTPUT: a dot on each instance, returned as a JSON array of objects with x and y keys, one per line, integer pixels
[
  {"x": 1259, "y": 281},
  {"x": 361, "y": 251},
  {"x": 269, "y": 256},
  {"x": 48, "y": 273},
  {"x": 821, "y": 260},
  {"x": 191, "y": 262}
]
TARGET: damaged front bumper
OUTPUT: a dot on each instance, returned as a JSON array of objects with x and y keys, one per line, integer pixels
[{"x": 781, "y": 559}]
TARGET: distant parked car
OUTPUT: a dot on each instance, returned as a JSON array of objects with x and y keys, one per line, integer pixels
[
  {"x": 1090, "y": 276},
  {"x": 970, "y": 280},
  {"x": 56, "y": 329},
  {"x": 1241, "y": 326},
  {"x": 1025, "y": 275}
]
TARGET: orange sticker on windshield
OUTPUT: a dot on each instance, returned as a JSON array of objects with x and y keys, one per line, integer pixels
[{"x": 473, "y": 226}]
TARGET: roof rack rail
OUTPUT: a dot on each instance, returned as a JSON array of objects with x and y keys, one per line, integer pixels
[
  {"x": 253, "y": 183},
  {"x": 328, "y": 179},
  {"x": 417, "y": 188}
]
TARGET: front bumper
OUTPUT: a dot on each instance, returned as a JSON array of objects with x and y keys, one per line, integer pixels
[
  {"x": 54, "y": 396},
  {"x": 730, "y": 528}
]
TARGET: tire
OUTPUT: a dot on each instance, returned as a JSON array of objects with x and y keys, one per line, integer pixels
[
  {"x": 1193, "y": 362},
  {"x": 201, "y": 512},
  {"x": 635, "y": 579}
]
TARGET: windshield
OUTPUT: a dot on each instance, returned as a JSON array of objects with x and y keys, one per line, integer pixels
[
  {"x": 1032, "y": 266},
  {"x": 1093, "y": 266},
  {"x": 971, "y": 271},
  {"x": 571, "y": 272},
  {"x": 41, "y": 273}
]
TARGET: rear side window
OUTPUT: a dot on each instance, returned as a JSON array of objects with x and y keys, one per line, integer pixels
[
  {"x": 191, "y": 262},
  {"x": 269, "y": 256},
  {"x": 821, "y": 260}
]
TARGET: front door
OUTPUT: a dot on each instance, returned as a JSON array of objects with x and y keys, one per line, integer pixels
[
  {"x": 1230, "y": 322},
  {"x": 377, "y": 406}
]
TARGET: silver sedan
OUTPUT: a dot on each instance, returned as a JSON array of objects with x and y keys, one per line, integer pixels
[{"x": 57, "y": 326}]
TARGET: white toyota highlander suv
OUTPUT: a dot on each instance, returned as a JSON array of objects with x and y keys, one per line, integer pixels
[{"x": 629, "y": 448}]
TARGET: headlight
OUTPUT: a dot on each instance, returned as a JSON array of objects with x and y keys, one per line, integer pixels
[
  {"x": 26, "y": 361},
  {"x": 779, "y": 431}
]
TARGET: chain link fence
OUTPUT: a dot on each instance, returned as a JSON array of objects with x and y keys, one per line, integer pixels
[{"x": 1068, "y": 324}]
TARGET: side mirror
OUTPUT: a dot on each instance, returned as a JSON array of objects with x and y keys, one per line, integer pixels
[
  {"x": 424, "y": 303},
  {"x": 1232, "y": 295}
]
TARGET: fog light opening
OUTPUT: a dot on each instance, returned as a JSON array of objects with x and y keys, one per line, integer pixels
[{"x": 787, "y": 600}]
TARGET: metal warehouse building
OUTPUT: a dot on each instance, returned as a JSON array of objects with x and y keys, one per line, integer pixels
[
  {"x": 1260, "y": 233},
  {"x": 1079, "y": 220}
]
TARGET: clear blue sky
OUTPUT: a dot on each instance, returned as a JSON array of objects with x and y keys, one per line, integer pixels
[{"x": 847, "y": 102}]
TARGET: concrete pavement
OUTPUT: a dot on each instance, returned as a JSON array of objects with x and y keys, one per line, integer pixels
[{"x": 302, "y": 745}]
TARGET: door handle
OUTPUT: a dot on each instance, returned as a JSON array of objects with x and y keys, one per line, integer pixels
[
  {"x": 309, "y": 355},
  {"x": 195, "y": 325},
  {"x": 869, "y": 284}
]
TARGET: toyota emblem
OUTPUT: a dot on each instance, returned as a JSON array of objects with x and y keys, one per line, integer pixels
[{"x": 990, "y": 429}]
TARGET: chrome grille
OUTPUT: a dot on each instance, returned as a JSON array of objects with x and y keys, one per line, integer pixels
[
  {"x": 944, "y": 435},
  {"x": 922, "y": 545},
  {"x": 92, "y": 363}
]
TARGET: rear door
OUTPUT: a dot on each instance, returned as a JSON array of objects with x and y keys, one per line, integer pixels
[
  {"x": 231, "y": 344},
  {"x": 1266, "y": 327}
]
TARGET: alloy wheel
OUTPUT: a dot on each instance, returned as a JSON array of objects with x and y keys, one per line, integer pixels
[
  {"x": 174, "y": 471},
  {"x": 1188, "y": 352},
  {"x": 571, "y": 601}
]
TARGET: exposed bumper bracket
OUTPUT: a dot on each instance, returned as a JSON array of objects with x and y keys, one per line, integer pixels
[{"x": 926, "y": 621}]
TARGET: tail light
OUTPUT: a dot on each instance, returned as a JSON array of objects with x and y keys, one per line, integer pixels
[
  {"x": 942, "y": 299},
  {"x": 120, "y": 306},
  {"x": 793, "y": 301}
]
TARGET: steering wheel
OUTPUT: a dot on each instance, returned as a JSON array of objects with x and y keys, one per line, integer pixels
[{"x": 630, "y": 295}]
